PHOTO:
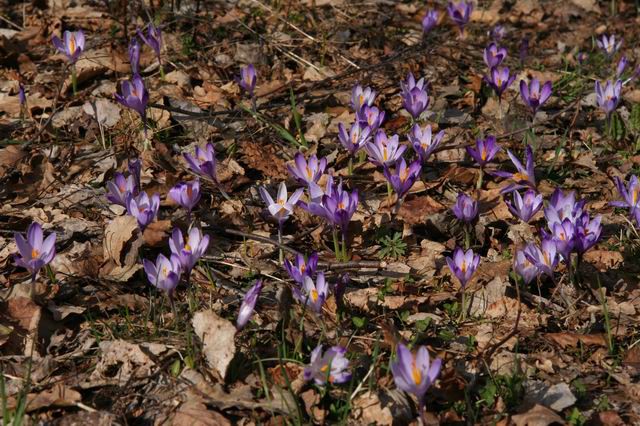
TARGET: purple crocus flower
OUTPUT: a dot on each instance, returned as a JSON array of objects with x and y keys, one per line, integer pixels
[
  {"x": 134, "y": 55},
  {"x": 370, "y": 116},
  {"x": 545, "y": 257},
  {"x": 403, "y": 178},
  {"x": 582, "y": 57},
  {"x": 563, "y": 235},
  {"x": 337, "y": 206},
  {"x": 499, "y": 80},
  {"x": 460, "y": 13},
  {"x": 415, "y": 373},
  {"x": 415, "y": 102},
  {"x": 248, "y": 305},
  {"x": 355, "y": 139},
  {"x": 484, "y": 151},
  {"x": 22, "y": 97},
  {"x": 497, "y": 33},
  {"x": 153, "y": 39},
  {"x": 525, "y": 207},
  {"x": 622, "y": 65},
  {"x": 533, "y": 95},
  {"x": 143, "y": 208},
  {"x": 608, "y": 44},
  {"x": 588, "y": 232},
  {"x": 361, "y": 97},
  {"x": 188, "y": 251},
  {"x": 35, "y": 251},
  {"x": 463, "y": 265},
  {"x": 494, "y": 55},
  {"x": 283, "y": 206},
  {"x": 629, "y": 194},
  {"x": 563, "y": 207},
  {"x": 204, "y": 162},
  {"x": 465, "y": 208},
  {"x": 186, "y": 195},
  {"x": 301, "y": 268},
  {"x": 135, "y": 170},
  {"x": 134, "y": 95},
  {"x": 422, "y": 141},
  {"x": 411, "y": 83},
  {"x": 415, "y": 98},
  {"x": 120, "y": 189},
  {"x": 430, "y": 20},
  {"x": 248, "y": 78},
  {"x": 312, "y": 293},
  {"x": 383, "y": 151},
  {"x": 71, "y": 45},
  {"x": 309, "y": 171},
  {"x": 164, "y": 274},
  {"x": 331, "y": 367},
  {"x": 609, "y": 96},
  {"x": 524, "y": 267},
  {"x": 524, "y": 176}
]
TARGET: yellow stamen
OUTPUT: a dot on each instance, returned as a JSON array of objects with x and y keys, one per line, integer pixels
[
  {"x": 341, "y": 205},
  {"x": 72, "y": 44},
  {"x": 314, "y": 295},
  {"x": 34, "y": 253},
  {"x": 309, "y": 173},
  {"x": 416, "y": 374}
]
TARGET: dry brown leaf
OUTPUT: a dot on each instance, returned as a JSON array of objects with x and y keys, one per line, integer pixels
[
  {"x": 58, "y": 396},
  {"x": 414, "y": 210},
  {"x": 156, "y": 232},
  {"x": 121, "y": 361},
  {"x": 539, "y": 415},
  {"x": 575, "y": 339},
  {"x": 24, "y": 315},
  {"x": 119, "y": 236},
  {"x": 217, "y": 336},
  {"x": 195, "y": 413}
]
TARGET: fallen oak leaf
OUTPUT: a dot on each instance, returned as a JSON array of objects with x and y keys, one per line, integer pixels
[{"x": 575, "y": 339}]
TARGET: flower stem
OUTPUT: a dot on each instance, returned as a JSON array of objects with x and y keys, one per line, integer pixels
[
  {"x": 467, "y": 236},
  {"x": 463, "y": 308},
  {"x": 480, "y": 178},
  {"x": 74, "y": 80},
  {"x": 161, "y": 69},
  {"x": 280, "y": 251},
  {"x": 350, "y": 167},
  {"x": 344, "y": 247},
  {"x": 50, "y": 273},
  {"x": 336, "y": 244}
]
